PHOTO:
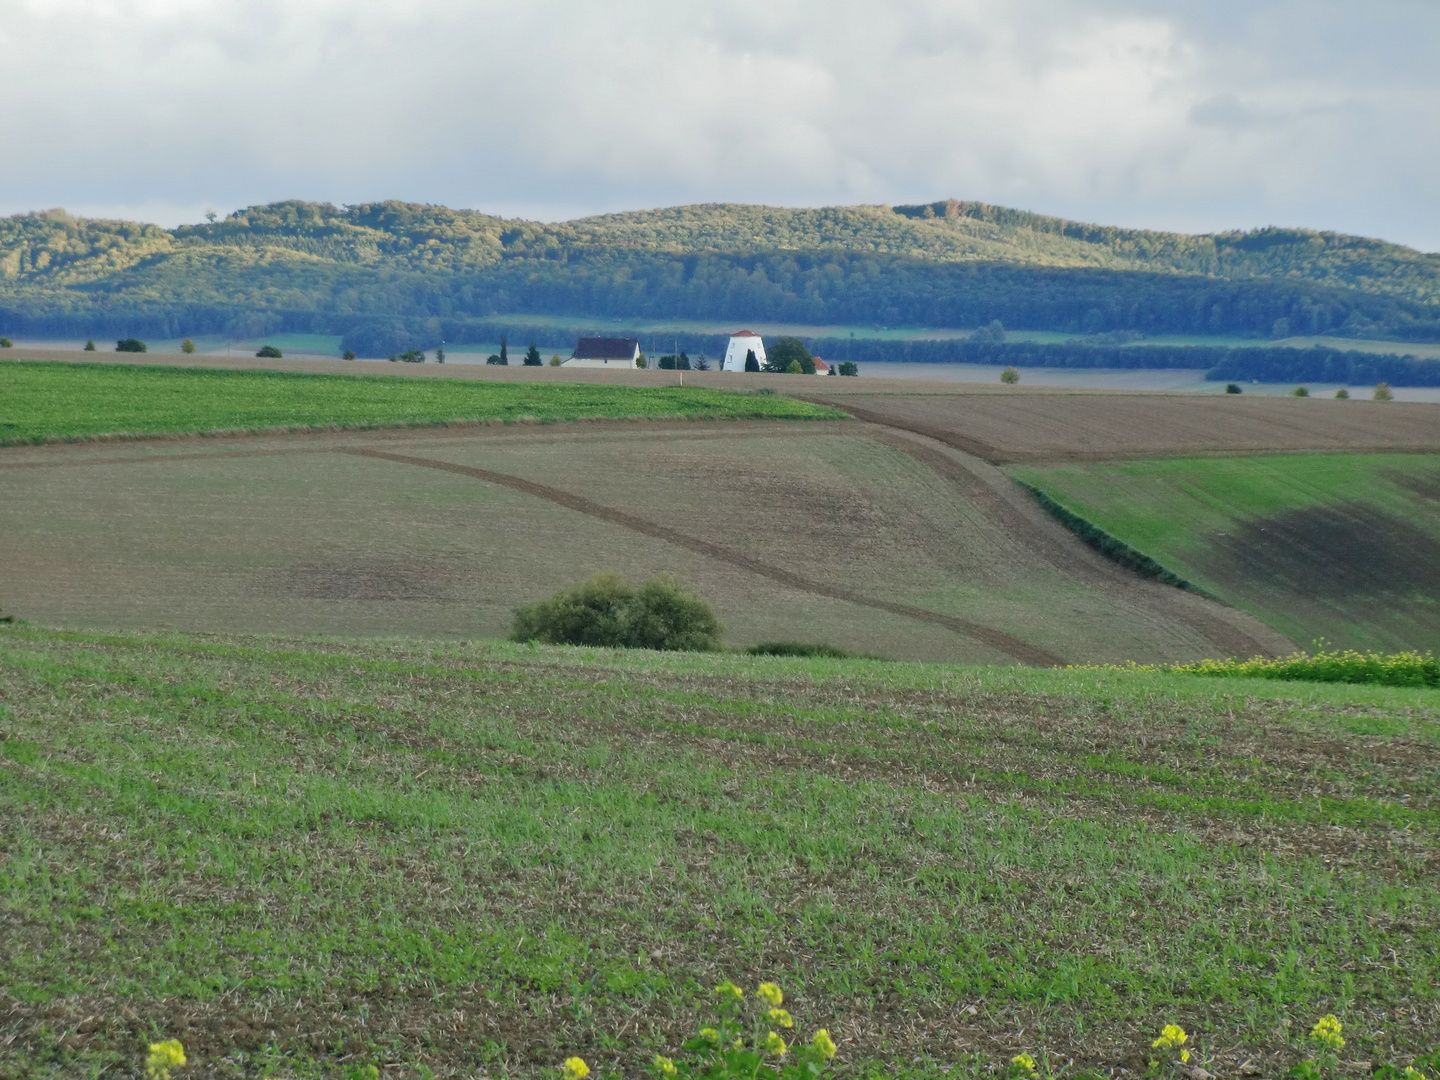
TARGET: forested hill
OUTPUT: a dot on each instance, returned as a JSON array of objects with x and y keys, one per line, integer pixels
[{"x": 379, "y": 271}]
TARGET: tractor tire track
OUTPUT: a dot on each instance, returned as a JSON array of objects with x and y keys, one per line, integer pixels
[{"x": 996, "y": 639}]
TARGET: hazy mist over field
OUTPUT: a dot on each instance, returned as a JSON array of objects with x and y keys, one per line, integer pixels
[{"x": 1161, "y": 114}]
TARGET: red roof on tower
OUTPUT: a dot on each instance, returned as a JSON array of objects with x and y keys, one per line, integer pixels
[{"x": 744, "y": 333}]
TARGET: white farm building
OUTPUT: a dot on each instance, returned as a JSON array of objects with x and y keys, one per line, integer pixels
[
  {"x": 742, "y": 342},
  {"x": 606, "y": 352}
]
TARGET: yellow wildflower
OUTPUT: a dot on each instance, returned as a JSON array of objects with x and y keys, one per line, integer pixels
[
  {"x": 770, "y": 994},
  {"x": 1025, "y": 1061},
  {"x": 576, "y": 1069},
  {"x": 665, "y": 1066},
  {"x": 164, "y": 1056},
  {"x": 780, "y": 1017},
  {"x": 823, "y": 1044},
  {"x": 729, "y": 988},
  {"x": 1172, "y": 1037},
  {"x": 1412, "y": 1073},
  {"x": 711, "y": 1034},
  {"x": 774, "y": 1044},
  {"x": 1327, "y": 1032}
]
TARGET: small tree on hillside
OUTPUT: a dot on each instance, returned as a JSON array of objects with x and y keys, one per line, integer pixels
[
  {"x": 504, "y": 356},
  {"x": 187, "y": 346},
  {"x": 849, "y": 367},
  {"x": 1009, "y": 376},
  {"x": 787, "y": 351},
  {"x": 1382, "y": 392},
  {"x": 131, "y": 344},
  {"x": 90, "y": 345},
  {"x": 440, "y": 353},
  {"x": 532, "y": 357},
  {"x": 269, "y": 352}
]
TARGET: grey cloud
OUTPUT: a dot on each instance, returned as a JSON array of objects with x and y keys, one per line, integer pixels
[{"x": 1162, "y": 113}]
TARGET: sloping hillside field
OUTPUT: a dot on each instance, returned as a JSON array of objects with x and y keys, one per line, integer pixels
[
  {"x": 1344, "y": 547},
  {"x": 303, "y": 857}
]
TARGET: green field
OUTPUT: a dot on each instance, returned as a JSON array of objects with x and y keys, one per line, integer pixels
[
  {"x": 303, "y": 856},
  {"x": 48, "y": 400},
  {"x": 1344, "y": 547}
]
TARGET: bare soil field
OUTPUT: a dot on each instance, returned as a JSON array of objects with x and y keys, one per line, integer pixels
[
  {"x": 1038, "y": 426},
  {"x": 877, "y": 541}
]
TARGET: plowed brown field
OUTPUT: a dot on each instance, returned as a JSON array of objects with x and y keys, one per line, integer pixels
[
  {"x": 878, "y": 541},
  {"x": 1033, "y": 427}
]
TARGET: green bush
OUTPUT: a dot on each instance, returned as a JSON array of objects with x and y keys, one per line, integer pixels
[
  {"x": 1010, "y": 376},
  {"x": 1382, "y": 392},
  {"x": 1342, "y": 394},
  {"x": 1232, "y": 388},
  {"x": 89, "y": 346},
  {"x": 1300, "y": 391},
  {"x": 849, "y": 367},
  {"x": 605, "y": 611},
  {"x": 187, "y": 346},
  {"x": 130, "y": 344},
  {"x": 795, "y": 648},
  {"x": 269, "y": 352}
]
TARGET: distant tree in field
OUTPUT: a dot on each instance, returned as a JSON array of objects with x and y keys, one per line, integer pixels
[
  {"x": 410, "y": 356},
  {"x": 1382, "y": 392},
  {"x": 701, "y": 364},
  {"x": 666, "y": 363},
  {"x": 493, "y": 359},
  {"x": 751, "y": 364},
  {"x": 794, "y": 368},
  {"x": 187, "y": 346},
  {"x": 504, "y": 356},
  {"x": 130, "y": 344},
  {"x": 349, "y": 355},
  {"x": 532, "y": 356},
  {"x": 269, "y": 352},
  {"x": 555, "y": 361},
  {"x": 1342, "y": 394},
  {"x": 641, "y": 362},
  {"x": 90, "y": 345},
  {"x": 440, "y": 354},
  {"x": 788, "y": 350},
  {"x": 1232, "y": 388},
  {"x": 1009, "y": 376},
  {"x": 682, "y": 362},
  {"x": 849, "y": 367},
  {"x": 1300, "y": 391},
  {"x": 5, "y": 343}
]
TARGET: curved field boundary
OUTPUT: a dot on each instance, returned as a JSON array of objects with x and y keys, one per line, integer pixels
[
  {"x": 1049, "y": 540},
  {"x": 996, "y": 639}
]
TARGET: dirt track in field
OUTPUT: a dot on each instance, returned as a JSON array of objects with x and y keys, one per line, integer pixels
[{"x": 1036, "y": 428}]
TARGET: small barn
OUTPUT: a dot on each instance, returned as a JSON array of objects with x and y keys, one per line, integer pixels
[
  {"x": 603, "y": 352},
  {"x": 742, "y": 342},
  {"x": 822, "y": 368}
]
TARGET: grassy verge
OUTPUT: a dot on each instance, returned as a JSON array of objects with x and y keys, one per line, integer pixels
[
  {"x": 301, "y": 856},
  {"x": 39, "y": 401}
]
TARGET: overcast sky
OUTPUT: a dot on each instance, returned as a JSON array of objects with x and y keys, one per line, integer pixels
[{"x": 1182, "y": 114}]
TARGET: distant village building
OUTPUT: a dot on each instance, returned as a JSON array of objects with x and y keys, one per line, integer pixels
[
  {"x": 603, "y": 352},
  {"x": 822, "y": 368},
  {"x": 742, "y": 342}
]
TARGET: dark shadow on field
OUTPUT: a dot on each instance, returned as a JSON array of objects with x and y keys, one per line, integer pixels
[{"x": 1366, "y": 566}]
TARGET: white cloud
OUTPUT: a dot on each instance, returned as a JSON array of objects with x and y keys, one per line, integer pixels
[{"x": 1161, "y": 113}]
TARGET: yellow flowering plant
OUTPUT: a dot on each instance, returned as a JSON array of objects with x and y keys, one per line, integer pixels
[
  {"x": 1172, "y": 1049},
  {"x": 1023, "y": 1067},
  {"x": 745, "y": 1042},
  {"x": 164, "y": 1058}
]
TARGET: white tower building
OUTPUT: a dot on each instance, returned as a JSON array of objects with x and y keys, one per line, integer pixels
[{"x": 742, "y": 342}]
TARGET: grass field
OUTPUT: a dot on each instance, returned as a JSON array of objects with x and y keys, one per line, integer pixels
[
  {"x": 303, "y": 856},
  {"x": 48, "y": 400},
  {"x": 1340, "y": 546}
]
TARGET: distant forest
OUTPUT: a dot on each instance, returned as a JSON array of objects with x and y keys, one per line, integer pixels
[{"x": 392, "y": 276}]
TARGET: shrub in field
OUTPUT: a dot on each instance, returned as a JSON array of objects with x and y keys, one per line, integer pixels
[
  {"x": 795, "y": 648},
  {"x": 794, "y": 368},
  {"x": 849, "y": 367},
  {"x": 1233, "y": 388},
  {"x": 164, "y": 1058},
  {"x": 187, "y": 346},
  {"x": 349, "y": 354},
  {"x": 532, "y": 356},
  {"x": 1342, "y": 394},
  {"x": 1300, "y": 391},
  {"x": 89, "y": 346},
  {"x": 130, "y": 344},
  {"x": 555, "y": 361},
  {"x": 605, "y": 611},
  {"x": 6, "y": 343},
  {"x": 1010, "y": 376},
  {"x": 269, "y": 352},
  {"x": 1348, "y": 666},
  {"x": 1382, "y": 392}
]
